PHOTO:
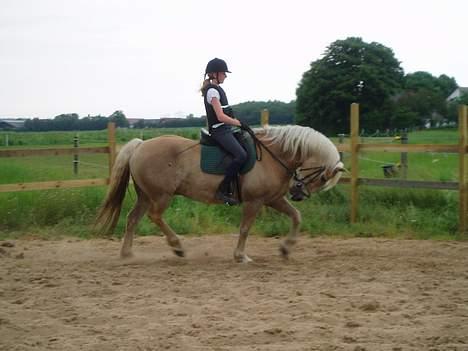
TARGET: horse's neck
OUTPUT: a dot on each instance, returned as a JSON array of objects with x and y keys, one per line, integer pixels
[{"x": 284, "y": 158}]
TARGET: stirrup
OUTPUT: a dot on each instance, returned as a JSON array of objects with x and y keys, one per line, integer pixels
[{"x": 227, "y": 199}]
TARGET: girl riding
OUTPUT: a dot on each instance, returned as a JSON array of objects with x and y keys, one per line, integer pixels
[{"x": 220, "y": 119}]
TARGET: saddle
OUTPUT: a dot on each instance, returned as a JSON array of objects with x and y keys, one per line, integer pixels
[{"x": 214, "y": 159}]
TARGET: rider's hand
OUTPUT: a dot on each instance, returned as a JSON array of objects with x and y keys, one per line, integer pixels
[{"x": 245, "y": 126}]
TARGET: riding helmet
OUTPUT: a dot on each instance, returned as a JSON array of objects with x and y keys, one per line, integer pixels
[{"x": 216, "y": 65}]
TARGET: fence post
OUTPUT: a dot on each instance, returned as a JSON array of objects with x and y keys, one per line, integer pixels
[
  {"x": 463, "y": 170},
  {"x": 354, "y": 160},
  {"x": 7, "y": 142},
  {"x": 112, "y": 145},
  {"x": 404, "y": 155},
  {"x": 341, "y": 140},
  {"x": 264, "y": 118},
  {"x": 76, "y": 145}
]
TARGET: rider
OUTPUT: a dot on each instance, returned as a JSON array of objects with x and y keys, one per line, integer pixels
[{"x": 220, "y": 119}]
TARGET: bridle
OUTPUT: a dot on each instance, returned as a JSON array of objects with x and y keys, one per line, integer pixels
[{"x": 300, "y": 184}]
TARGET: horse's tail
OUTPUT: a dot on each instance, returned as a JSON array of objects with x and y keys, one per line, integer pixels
[{"x": 109, "y": 212}]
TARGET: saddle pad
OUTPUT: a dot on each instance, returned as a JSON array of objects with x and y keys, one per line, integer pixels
[{"x": 213, "y": 159}]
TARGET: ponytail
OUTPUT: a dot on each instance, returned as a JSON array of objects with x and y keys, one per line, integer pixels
[{"x": 206, "y": 82}]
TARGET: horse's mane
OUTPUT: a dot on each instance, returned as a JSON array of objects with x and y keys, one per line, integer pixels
[{"x": 304, "y": 142}]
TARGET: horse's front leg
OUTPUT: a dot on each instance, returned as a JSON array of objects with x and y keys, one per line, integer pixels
[
  {"x": 249, "y": 213},
  {"x": 282, "y": 205}
]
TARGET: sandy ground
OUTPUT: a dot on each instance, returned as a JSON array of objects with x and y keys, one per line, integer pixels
[{"x": 332, "y": 294}]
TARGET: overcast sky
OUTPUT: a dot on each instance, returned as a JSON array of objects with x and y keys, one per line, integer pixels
[{"x": 147, "y": 57}]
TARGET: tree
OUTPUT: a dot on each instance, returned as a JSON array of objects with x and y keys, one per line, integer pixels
[
  {"x": 118, "y": 117},
  {"x": 67, "y": 121},
  {"x": 280, "y": 112},
  {"x": 350, "y": 71},
  {"x": 425, "y": 96},
  {"x": 447, "y": 85}
]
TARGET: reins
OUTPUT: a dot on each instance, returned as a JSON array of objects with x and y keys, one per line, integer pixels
[
  {"x": 301, "y": 182},
  {"x": 258, "y": 146}
]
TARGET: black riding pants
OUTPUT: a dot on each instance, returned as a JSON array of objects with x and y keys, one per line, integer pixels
[{"x": 226, "y": 139}]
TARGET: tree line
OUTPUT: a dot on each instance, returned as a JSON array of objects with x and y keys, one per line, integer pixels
[
  {"x": 352, "y": 70},
  {"x": 249, "y": 112},
  {"x": 71, "y": 121}
]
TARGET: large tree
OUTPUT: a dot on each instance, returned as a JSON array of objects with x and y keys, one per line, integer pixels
[
  {"x": 425, "y": 96},
  {"x": 443, "y": 85},
  {"x": 351, "y": 70},
  {"x": 118, "y": 117}
]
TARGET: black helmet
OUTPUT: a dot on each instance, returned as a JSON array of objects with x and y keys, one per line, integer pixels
[{"x": 216, "y": 65}]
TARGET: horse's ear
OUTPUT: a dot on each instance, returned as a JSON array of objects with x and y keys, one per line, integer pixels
[{"x": 338, "y": 168}]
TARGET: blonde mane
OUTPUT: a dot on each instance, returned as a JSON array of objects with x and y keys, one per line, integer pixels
[{"x": 304, "y": 142}]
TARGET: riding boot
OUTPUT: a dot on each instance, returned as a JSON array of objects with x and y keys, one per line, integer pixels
[{"x": 225, "y": 193}]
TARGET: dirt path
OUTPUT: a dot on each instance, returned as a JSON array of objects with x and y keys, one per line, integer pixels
[{"x": 357, "y": 294}]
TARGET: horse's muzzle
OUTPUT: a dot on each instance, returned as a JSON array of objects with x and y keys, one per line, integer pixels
[
  {"x": 297, "y": 193},
  {"x": 297, "y": 197}
]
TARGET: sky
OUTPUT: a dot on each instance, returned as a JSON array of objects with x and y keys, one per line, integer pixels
[{"x": 147, "y": 57}]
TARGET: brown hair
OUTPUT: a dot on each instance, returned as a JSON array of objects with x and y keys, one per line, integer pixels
[{"x": 206, "y": 82}]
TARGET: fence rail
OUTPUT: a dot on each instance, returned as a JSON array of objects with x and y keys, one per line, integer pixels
[
  {"x": 54, "y": 184},
  {"x": 54, "y": 152},
  {"x": 63, "y": 184},
  {"x": 354, "y": 148}
]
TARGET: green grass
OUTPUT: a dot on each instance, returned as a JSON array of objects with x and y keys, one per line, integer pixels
[
  {"x": 383, "y": 212},
  {"x": 388, "y": 212}
]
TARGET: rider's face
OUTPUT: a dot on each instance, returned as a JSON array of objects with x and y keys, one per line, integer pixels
[{"x": 221, "y": 77}]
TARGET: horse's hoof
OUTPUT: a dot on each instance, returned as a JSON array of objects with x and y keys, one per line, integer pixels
[
  {"x": 126, "y": 254},
  {"x": 180, "y": 253},
  {"x": 243, "y": 259},
  {"x": 284, "y": 252}
]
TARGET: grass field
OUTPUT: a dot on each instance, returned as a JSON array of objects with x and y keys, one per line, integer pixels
[{"x": 383, "y": 212}]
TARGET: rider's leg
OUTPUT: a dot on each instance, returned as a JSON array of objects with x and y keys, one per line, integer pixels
[{"x": 226, "y": 139}]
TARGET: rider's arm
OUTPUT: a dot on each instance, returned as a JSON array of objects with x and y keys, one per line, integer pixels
[{"x": 222, "y": 117}]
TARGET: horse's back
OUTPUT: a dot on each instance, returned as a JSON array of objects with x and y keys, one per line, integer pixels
[
  {"x": 159, "y": 155},
  {"x": 165, "y": 146}
]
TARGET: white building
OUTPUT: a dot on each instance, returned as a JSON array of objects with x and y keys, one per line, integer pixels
[
  {"x": 11, "y": 123},
  {"x": 457, "y": 93}
]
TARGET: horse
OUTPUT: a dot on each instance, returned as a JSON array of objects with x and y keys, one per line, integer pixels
[{"x": 299, "y": 159}]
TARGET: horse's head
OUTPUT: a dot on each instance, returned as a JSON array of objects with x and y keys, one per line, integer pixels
[
  {"x": 312, "y": 178},
  {"x": 315, "y": 155}
]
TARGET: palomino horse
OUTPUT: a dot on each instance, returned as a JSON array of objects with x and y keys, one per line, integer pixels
[{"x": 170, "y": 165}]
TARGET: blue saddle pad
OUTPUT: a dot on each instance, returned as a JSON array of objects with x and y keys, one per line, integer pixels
[{"x": 214, "y": 160}]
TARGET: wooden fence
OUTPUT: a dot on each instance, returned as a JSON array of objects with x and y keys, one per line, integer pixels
[
  {"x": 111, "y": 149},
  {"x": 355, "y": 147}
]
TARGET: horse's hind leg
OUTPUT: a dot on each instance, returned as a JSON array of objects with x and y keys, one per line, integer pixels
[
  {"x": 155, "y": 214},
  {"x": 134, "y": 216}
]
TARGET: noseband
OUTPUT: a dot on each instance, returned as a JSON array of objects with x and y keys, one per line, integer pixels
[{"x": 300, "y": 184}]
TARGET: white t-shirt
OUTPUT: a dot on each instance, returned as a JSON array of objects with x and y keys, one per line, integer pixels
[{"x": 212, "y": 93}]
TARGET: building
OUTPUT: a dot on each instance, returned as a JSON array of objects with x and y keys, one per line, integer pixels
[
  {"x": 141, "y": 122},
  {"x": 11, "y": 124},
  {"x": 457, "y": 93}
]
